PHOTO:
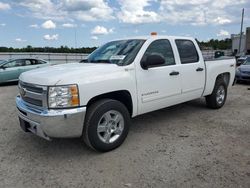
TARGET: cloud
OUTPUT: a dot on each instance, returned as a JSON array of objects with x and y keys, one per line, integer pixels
[
  {"x": 86, "y": 10},
  {"x": 79, "y": 5},
  {"x": 223, "y": 33},
  {"x": 20, "y": 40},
  {"x": 94, "y": 38},
  {"x": 69, "y": 25},
  {"x": 51, "y": 37},
  {"x": 2, "y": 24},
  {"x": 42, "y": 9},
  {"x": 175, "y": 12},
  {"x": 34, "y": 26},
  {"x": 100, "y": 30},
  {"x": 201, "y": 12},
  {"x": 222, "y": 21},
  {"x": 68, "y": 10},
  {"x": 4, "y": 6},
  {"x": 49, "y": 24},
  {"x": 134, "y": 12},
  {"x": 181, "y": 12}
]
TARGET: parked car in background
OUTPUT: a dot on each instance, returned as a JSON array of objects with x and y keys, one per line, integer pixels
[
  {"x": 11, "y": 69},
  {"x": 241, "y": 60},
  {"x": 243, "y": 71}
]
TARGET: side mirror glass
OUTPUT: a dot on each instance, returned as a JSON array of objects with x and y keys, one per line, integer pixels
[{"x": 152, "y": 61}]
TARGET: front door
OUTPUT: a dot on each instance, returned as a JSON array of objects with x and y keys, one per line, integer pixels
[
  {"x": 10, "y": 71},
  {"x": 159, "y": 86}
]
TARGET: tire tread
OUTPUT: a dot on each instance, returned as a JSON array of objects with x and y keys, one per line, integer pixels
[
  {"x": 211, "y": 99},
  {"x": 90, "y": 113}
]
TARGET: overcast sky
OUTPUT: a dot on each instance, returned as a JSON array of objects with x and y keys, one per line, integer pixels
[{"x": 55, "y": 22}]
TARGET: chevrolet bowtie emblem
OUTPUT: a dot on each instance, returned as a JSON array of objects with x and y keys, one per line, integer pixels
[{"x": 22, "y": 92}]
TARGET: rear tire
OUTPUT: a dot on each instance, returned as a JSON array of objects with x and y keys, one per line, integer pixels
[
  {"x": 219, "y": 95},
  {"x": 106, "y": 125}
]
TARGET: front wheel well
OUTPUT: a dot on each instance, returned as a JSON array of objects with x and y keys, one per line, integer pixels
[{"x": 122, "y": 95}]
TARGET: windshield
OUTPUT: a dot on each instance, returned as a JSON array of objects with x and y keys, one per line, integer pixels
[
  {"x": 122, "y": 52},
  {"x": 247, "y": 62}
]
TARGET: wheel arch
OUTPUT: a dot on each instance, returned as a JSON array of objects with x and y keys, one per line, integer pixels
[
  {"x": 225, "y": 76},
  {"x": 123, "y": 96}
]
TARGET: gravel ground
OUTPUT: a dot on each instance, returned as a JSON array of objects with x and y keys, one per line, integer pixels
[{"x": 186, "y": 145}]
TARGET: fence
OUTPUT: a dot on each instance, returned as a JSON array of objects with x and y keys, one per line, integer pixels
[
  {"x": 70, "y": 57},
  {"x": 52, "y": 57},
  {"x": 209, "y": 54}
]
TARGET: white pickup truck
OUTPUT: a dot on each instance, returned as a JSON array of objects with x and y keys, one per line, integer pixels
[{"x": 124, "y": 78}]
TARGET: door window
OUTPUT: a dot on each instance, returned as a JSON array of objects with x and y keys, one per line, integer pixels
[
  {"x": 163, "y": 48},
  {"x": 187, "y": 51},
  {"x": 40, "y": 62},
  {"x": 27, "y": 62},
  {"x": 37, "y": 62},
  {"x": 14, "y": 63}
]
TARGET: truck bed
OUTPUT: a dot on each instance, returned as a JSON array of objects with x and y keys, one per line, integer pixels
[
  {"x": 215, "y": 59},
  {"x": 216, "y": 66}
]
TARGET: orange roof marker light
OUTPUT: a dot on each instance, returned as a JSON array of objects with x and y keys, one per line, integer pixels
[{"x": 153, "y": 33}]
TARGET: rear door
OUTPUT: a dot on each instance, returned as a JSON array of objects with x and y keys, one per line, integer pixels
[
  {"x": 26, "y": 65},
  {"x": 30, "y": 64},
  {"x": 158, "y": 87},
  {"x": 38, "y": 63},
  {"x": 192, "y": 69}
]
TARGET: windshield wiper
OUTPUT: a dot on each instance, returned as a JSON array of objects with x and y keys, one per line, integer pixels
[{"x": 101, "y": 61}]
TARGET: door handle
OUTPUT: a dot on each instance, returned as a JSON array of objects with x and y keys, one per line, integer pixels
[
  {"x": 199, "y": 69},
  {"x": 174, "y": 73}
]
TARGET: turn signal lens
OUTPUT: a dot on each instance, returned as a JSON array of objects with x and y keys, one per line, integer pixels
[{"x": 74, "y": 96}]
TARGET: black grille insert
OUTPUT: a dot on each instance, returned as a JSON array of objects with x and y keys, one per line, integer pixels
[{"x": 33, "y": 101}]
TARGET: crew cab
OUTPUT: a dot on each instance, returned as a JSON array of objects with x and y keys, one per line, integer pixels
[{"x": 96, "y": 99}]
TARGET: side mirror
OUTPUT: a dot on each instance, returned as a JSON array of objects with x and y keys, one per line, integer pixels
[
  {"x": 2, "y": 67},
  {"x": 152, "y": 61}
]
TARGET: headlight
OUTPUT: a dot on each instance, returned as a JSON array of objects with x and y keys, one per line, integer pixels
[
  {"x": 63, "y": 96},
  {"x": 238, "y": 69}
]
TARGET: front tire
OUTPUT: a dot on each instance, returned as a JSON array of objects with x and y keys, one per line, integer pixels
[
  {"x": 219, "y": 95},
  {"x": 106, "y": 125}
]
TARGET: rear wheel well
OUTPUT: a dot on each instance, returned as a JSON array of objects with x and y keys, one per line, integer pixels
[
  {"x": 122, "y": 95},
  {"x": 225, "y": 77}
]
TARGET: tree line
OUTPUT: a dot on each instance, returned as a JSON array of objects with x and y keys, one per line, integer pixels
[
  {"x": 62, "y": 49},
  {"x": 214, "y": 44}
]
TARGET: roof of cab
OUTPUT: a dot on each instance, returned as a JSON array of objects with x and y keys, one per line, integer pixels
[{"x": 147, "y": 37}]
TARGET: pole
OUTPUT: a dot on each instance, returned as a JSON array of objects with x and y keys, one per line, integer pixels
[
  {"x": 75, "y": 39},
  {"x": 242, "y": 17},
  {"x": 75, "y": 44}
]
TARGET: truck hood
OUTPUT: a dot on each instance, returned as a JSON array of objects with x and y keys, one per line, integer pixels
[{"x": 69, "y": 73}]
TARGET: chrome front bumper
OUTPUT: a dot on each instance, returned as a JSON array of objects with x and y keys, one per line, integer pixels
[{"x": 49, "y": 124}]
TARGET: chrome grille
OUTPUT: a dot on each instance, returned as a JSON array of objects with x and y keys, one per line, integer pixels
[{"x": 33, "y": 94}]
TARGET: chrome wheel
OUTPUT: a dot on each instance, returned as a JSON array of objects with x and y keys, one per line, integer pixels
[
  {"x": 220, "y": 95},
  {"x": 110, "y": 126}
]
